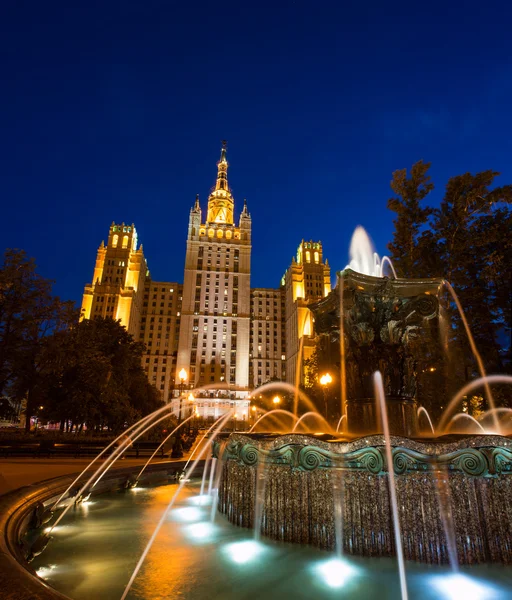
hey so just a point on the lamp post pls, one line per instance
(325, 380)
(177, 452)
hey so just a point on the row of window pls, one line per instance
(115, 241)
(113, 263)
(220, 234)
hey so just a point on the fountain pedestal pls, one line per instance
(326, 493)
(385, 323)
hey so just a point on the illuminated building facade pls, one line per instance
(307, 280)
(268, 339)
(228, 338)
(120, 273)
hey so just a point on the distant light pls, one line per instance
(456, 586)
(326, 379)
(336, 572)
(136, 488)
(244, 552)
(201, 531)
(188, 514)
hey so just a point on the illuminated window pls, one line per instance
(125, 241)
(220, 233)
(202, 232)
(308, 256)
(228, 235)
(316, 257)
(115, 239)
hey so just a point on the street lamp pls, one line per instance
(325, 380)
(177, 452)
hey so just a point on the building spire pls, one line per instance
(222, 169)
(197, 207)
(220, 202)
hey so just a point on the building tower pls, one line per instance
(117, 286)
(215, 320)
(307, 280)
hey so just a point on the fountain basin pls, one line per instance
(18, 578)
(299, 503)
(97, 546)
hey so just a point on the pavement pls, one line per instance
(18, 472)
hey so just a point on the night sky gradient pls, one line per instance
(114, 111)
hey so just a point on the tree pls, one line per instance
(471, 230)
(94, 376)
(28, 314)
(467, 242)
(411, 216)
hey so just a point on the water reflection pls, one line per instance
(95, 550)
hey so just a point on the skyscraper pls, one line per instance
(226, 338)
(215, 320)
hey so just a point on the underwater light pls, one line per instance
(201, 531)
(44, 572)
(201, 500)
(335, 572)
(187, 514)
(456, 586)
(244, 552)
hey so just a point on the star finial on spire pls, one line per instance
(223, 151)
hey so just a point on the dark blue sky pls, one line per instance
(115, 111)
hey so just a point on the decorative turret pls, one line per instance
(220, 202)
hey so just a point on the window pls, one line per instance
(125, 241)
(115, 241)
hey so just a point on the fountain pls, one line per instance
(380, 479)
(385, 325)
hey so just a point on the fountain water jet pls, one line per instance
(171, 503)
(423, 411)
(314, 414)
(469, 387)
(160, 445)
(271, 412)
(212, 474)
(259, 499)
(460, 416)
(363, 258)
(207, 464)
(342, 418)
(381, 399)
(474, 349)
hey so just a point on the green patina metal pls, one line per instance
(473, 462)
